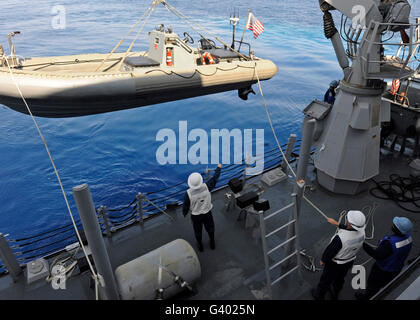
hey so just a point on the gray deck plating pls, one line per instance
(235, 269)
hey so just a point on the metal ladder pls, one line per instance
(267, 252)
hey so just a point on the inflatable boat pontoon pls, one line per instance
(79, 85)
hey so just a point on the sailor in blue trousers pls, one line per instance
(329, 96)
(390, 256)
(198, 200)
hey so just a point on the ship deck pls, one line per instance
(235, 270)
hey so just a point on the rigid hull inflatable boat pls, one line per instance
(78, 85)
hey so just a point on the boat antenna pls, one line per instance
(243, 33)
(234, 20)
(196, 26)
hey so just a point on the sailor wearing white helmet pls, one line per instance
(198, 200)
(339, 256)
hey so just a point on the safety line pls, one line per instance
(150, 11)
(180, 15)
(94, 274)
(270, 121)
(123, 39)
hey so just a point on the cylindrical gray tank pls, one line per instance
(138, 279)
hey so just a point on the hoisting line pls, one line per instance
(270, 121)
(149, 13)
(122, 40)
(96, 276)
(191, 23)
(375, 205)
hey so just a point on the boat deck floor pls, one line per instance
(235, 270)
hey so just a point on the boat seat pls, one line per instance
(222, 53)
(141, 61)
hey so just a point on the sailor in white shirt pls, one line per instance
(198, 200)
(339, 256)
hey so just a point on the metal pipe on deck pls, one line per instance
(9, 259)
(91, 227)
(305, 152)
(289, 150)
(103, 214)
(140, 208)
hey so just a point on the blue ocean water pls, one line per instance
(115, 152)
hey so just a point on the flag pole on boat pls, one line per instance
(243, 33)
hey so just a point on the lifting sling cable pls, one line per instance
(318, 210)
(180, 15)
(151, 9)
(123, 39)
(270, 121)
(96, 277)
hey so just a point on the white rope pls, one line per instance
(150, 11)
(315, 207)
(123, 39)
(191, 23)
(54, 167)
(270, 121)
(371, 213)
(294, 174)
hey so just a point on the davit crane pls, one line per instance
(347, 134)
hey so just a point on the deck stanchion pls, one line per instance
(84, 203)
(140, 208)
(305, 152)
(9, 259)
(297, 240)
(104, 216)
(265, 250)
(289, 150)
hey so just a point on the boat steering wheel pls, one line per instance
(188, 38)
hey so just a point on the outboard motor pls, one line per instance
(244, 92)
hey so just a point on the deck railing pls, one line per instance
(143, 207)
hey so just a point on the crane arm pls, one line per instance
(354, 8)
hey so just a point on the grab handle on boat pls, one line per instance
(12, 47)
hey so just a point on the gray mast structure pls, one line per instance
(347, 135)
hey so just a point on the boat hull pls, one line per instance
(77, 107)
(73, 95)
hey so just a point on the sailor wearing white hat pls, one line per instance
(340, 254)
(198, 200)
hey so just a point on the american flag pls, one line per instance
(395, 86)
(254, 25)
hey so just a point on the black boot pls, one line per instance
(361, 296)
(200, 246)
(316, 295)
(334, 293)
(212, 242)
